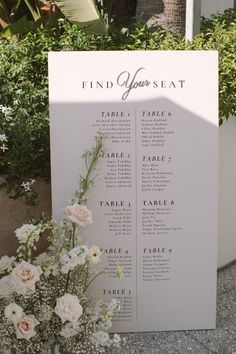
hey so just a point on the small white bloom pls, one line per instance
(79, 214)
(5, 110)
(45, 313)
(100, 338)
(94, 254)
(120, 272)
(27, 230)
(69, 330)
(25, 276)
(6, 263)
(3, 147)
(13, 313)
(3, 138)
(6, 286)
(25, 328)
(68, 308)
(26, 186)
(51, 269)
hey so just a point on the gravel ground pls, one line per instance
(221, 340)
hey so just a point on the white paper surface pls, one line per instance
(155, 203)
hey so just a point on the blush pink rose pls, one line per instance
(79, 214)
(25, 328)
(25, 276)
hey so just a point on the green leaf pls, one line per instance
(84, 13)
(15, 7)
(20, 27)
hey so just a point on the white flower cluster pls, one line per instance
(42, 291)
(5, 110)
(6, 264)
(101, 338)
(28, 184)
(78, 256)
(75, 257)
(28, 233)
(104, 322)
(102, 314)
(41, 259)
(45, 314)
(68, 308)
(6, 287)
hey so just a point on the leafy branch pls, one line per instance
(91, 159)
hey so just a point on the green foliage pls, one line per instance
(24, 84)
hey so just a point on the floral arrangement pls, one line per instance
(44, 301)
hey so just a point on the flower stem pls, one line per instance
(73, 245)
(67, 281)
(90, 282)
(88, 180)
(73, 235)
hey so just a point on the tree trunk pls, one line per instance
(123, 11)
(4, 16)
(169, 14)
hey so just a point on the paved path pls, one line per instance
(222, 340)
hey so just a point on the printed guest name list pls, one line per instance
(155, 201)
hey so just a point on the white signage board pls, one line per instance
(155, 203)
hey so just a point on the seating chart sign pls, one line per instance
(155, 202)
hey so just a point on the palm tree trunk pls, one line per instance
(169, 14)
(4, 15)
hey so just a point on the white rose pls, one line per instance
(13, 313)
(68, 308)
(26, 231)
(6, 286)
(94, 254)
(25, 328)
(6, 263)
(24, 276)
(79, 214)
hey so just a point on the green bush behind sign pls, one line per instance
(24, 85)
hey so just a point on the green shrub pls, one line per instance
(24, 86)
